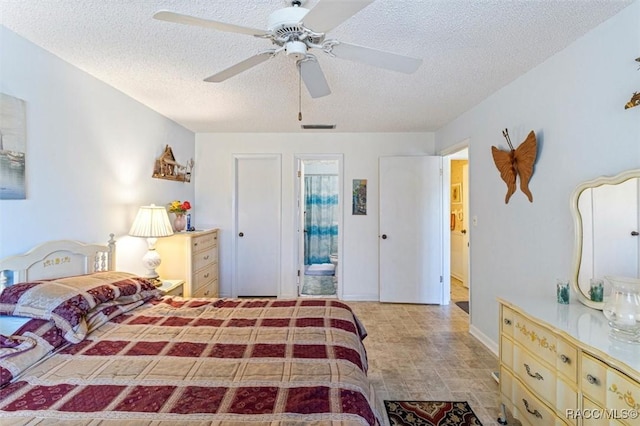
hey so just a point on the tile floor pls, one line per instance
(425, 352)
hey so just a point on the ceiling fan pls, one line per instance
(295, 30)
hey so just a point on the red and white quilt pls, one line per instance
(204, 361)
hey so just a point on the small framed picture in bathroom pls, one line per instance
(359, 197)
(456, 193)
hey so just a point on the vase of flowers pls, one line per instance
(179, 208)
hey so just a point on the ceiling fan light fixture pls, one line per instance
(296, 50)
(318, 126)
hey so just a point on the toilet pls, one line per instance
(333, 258)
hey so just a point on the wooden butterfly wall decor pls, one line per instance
(635, 98)
(515, 163)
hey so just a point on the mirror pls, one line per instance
(606, 218)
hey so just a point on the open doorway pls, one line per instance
(319, 216)
(459, 246)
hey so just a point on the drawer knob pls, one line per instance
(534, 412)
(565, 359)
(591, 379)
(206, 257)
(206, 275)
(507, 321)
(536, 376)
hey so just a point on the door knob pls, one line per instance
(634, 233)
(464, 231)
(384, 236)
(241, 234)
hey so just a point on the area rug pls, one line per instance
(463, 305)
(318, 286)
(430, 413)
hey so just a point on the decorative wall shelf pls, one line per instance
(166, 167)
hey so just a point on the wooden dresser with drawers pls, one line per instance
(192, 257)
(559, 366)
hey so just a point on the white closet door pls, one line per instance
(257, 225)
(410, 229)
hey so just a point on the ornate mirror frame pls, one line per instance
(578, 228)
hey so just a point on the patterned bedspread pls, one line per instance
(204, 361)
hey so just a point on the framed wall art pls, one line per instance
(359, 197)
(13, 145)
(456, 193)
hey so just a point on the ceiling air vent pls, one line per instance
(318, 126)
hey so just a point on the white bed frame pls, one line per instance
(57, 259)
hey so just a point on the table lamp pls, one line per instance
(151, 222)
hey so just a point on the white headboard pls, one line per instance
(57, 259)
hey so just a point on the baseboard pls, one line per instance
(484, 339)
(361, 297)
(351, 297)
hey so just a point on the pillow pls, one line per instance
(17, 353)
(26, 346)
(69, 301)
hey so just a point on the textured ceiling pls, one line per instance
(470, 49)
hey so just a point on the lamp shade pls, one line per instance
(151, 222)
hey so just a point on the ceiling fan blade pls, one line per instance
(313, 77)
(377, 58)
(328, 14)
(165, 15)
(241, 66)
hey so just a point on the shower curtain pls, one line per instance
(321, 220)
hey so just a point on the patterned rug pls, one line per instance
(430, 413)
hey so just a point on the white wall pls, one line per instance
(575, 104)
(214, 191)
(89, 159)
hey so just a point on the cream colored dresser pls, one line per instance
(192, 257)
(558, 366)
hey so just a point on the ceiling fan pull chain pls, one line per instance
(299, 93)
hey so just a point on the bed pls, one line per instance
(84, 344)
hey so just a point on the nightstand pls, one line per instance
(172, 287)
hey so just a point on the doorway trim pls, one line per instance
(298, 225)
(447, 155)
